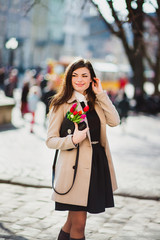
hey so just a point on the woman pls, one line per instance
(95, 179)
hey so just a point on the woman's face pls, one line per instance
(81, 79)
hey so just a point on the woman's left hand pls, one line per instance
(97, 86)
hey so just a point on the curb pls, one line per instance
(140, 197)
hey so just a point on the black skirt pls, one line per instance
(100, 190)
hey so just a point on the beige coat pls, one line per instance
(66, 160)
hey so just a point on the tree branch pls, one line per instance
(147, 57)
(31, 6)
(120, 34)
(109, 26)
(114, 14)
(154, 22)
(34, 3)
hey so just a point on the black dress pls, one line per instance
(100, 191)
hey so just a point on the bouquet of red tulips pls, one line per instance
(77, 116)
(73, 116)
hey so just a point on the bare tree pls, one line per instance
(137, 52)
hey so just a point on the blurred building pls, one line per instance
(85, 32)
(47, 35)
(38, 30)
(13, 24)
(50, 29)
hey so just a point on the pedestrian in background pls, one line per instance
(11, 82)
(95, 179)
(24, 99)
(28, 82)
(48, 92)
(123, 106)
(2, 77)
(33, 98)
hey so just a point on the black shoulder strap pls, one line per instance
(75, 171)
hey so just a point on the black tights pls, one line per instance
(65, 236)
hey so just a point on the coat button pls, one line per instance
(73, 167)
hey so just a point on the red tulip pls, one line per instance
(75, 112)
(71, 109)
(86, 108)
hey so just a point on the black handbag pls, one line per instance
(67, 128)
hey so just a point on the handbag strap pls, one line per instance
(75, 171)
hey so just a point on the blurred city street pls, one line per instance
(38, 40)
(27, 212)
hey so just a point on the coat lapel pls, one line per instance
(103, 124)
(72, 99)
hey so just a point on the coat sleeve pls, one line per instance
(111, 114)
(53, 138)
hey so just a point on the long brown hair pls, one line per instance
(66, 90)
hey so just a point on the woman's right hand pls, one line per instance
(79, 136)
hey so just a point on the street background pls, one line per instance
(27, 211)
(38, 39)
(134, 145)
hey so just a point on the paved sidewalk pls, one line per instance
(135, 148)
(28, 214)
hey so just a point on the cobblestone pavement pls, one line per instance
(135, 148)
(28, 214)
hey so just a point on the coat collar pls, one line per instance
(72, 99)
(77, 97)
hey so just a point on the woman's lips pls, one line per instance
(80, 85)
